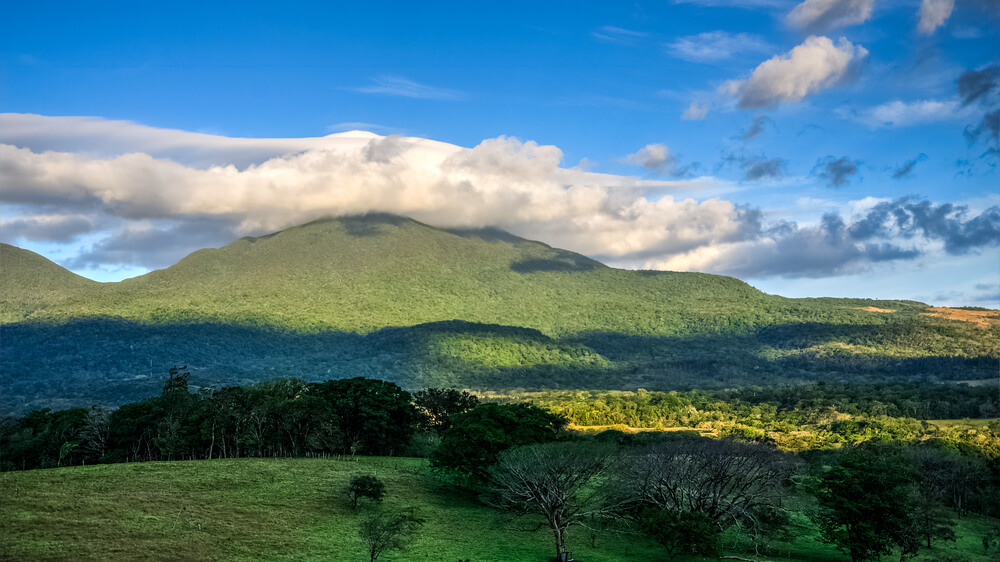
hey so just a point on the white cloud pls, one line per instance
(657, 158)
(695, 112)
(503, 182)
(820, 15)
(815, 65)
(716, 45)
(651, 157)
(933, 14)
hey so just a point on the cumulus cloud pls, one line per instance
(820, 15)
(933, 14)
(907, 168)
(836, 171)
(716, 45)
(657, 158)
(812, 67)
(150, 210)
(695, 112)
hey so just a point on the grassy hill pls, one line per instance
(289, 509)
(391, 298)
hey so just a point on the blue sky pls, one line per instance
(829, 147)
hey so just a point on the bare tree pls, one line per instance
(559, 481)
(96, 429)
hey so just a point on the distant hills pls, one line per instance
(389, 297)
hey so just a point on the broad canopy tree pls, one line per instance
(477, 437)
(561, 481)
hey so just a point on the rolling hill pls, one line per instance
(389, 297)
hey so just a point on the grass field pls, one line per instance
(289, 509)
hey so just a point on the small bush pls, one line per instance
(364, 487)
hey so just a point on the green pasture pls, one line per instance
(290, 509)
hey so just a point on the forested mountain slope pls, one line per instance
(389, 297)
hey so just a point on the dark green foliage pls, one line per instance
(368, 487)
(477, 437)
(376, 417)
(41, 439)
(681, 531)
(383, 532)
(866, 501)
(281, 417)
(435, 406)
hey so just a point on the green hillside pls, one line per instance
(31, 285)
(388, 297)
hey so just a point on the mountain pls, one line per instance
(389, 297)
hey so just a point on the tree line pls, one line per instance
(282, 417)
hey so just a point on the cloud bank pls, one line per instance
(174, 192)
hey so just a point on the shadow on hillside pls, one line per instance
(568, 264)
(361, 226)
(107, 361)
(487, 235)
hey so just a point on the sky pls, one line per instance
(842, 148)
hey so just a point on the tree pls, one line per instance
(95, 431)
(562, 482)
(725, 483)
(436, 406)
(865, 501)
(936, 470)
(382, 532)
(375, 417)
(477, 437)
(680, 531)
(364, 487)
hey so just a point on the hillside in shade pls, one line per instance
(389, 297)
